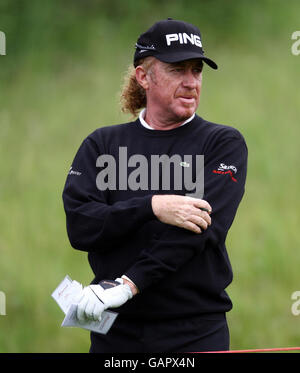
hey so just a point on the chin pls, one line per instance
(185, 113)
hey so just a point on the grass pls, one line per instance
(44, 116)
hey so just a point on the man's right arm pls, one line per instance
(93, 223)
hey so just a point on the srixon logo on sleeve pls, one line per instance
(184, 38)
(223, 169)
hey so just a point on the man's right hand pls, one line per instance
(182, 211)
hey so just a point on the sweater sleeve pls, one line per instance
(223, 189)
(92, 222)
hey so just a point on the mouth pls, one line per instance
(188, 100)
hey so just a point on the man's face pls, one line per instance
(174, 89)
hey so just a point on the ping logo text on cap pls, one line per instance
(184, 38)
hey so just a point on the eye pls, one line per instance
(177, 69)
(198, 70)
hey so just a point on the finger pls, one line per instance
(206, 209)
(201, 214)
(206, 217)
(201, 203)
(97, 313)
(89, 309)
(199, 221)
(203, 209)
(192, 227)
(81, 309)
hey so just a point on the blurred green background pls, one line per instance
(60, 79)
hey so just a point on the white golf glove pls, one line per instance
(97, 298)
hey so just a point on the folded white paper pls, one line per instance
(67, 295)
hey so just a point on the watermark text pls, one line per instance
(2, 303)
(2, 44)
(295, 49)
(157, 172)
(295, 309)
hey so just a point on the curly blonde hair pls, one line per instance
(133, 96)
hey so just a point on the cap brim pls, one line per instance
(178, 57)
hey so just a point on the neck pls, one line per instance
(162, 123)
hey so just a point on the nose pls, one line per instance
(190, 80)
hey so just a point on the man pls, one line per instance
(151, 201)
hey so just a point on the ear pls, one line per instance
(142, 77)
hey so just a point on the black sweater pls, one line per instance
(179, 273)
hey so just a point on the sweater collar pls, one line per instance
(146, 125)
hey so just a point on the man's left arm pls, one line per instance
(224, 185)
